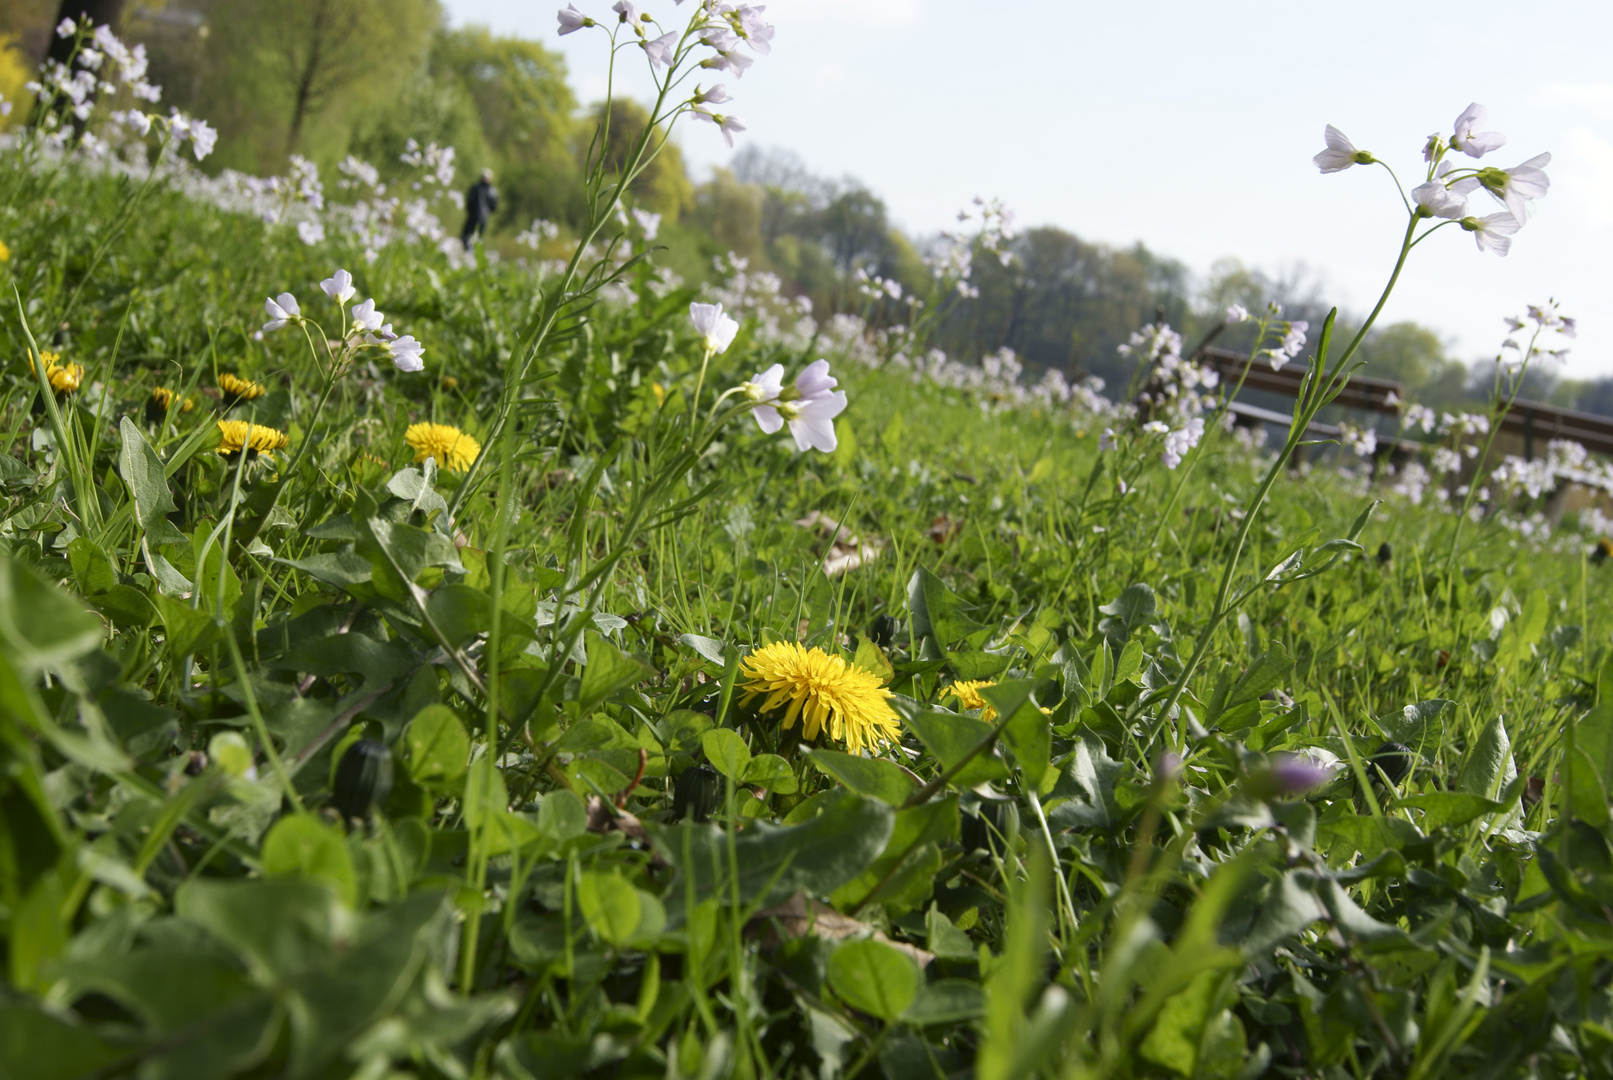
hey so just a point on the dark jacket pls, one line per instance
(480, 202)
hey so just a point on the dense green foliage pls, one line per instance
(572, 845)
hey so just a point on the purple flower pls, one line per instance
(1295, 774)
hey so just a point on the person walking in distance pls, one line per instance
(481, 199)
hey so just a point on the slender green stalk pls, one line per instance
(1324, 384)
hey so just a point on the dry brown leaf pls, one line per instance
(847, 551)
(944, 528)
(800, 917)
(604, 818)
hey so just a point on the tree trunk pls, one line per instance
(98, 12)
(109, 12)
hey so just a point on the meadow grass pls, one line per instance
(339, 763)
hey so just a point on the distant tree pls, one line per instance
(282, 76)
(1065, 303)
(1409, 353)
(855, 230)
(517, 93)
(318, 48)
(664, 187)
(1592, 396)
(731, 212)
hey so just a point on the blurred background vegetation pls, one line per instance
(328, 78)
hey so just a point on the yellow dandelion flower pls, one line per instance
(452, 448)
(237, 435)
(5, 252)
(63, 378)
(237, 389)
(448, 382)
(967, 694)
(825, 692)
(163, 401)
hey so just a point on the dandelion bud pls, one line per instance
(698, 793)
(1393, 760)
(363, 779)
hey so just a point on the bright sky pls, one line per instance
(1191, 126)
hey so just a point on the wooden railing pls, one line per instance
(1535, 422)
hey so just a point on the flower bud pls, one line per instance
(1393, 760)
(698, 793)
(363, 779)
(989, 820)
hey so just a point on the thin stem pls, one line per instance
(1304, 412)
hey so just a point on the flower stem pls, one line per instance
(1323, 386)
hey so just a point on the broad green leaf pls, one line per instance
(1133, 608)
(284, 923)
(951, 737)
(1029, 731)
(415, 487)
(871, 657)
(1446, 808)
(561, 816)
(41, 627)
(461, 612)
(1589, 770)
(340, 568)
(944, 939)
(486, 798)
(37, 934)
(1174, 1041)
(439, 748)
(1130, 660)
(187, 629)
(710, 648)
(339, 654)
(938, 612)
(611, 905)
(1087, 787)
(874, 978)
(873, 777)
(142, 471)
(608, 671)
(126, 606)
(727, 752)
(817, 856)
(414, 550)
(1420, 727)
(946, 1001)
(37, 1045)
(1489, 767)
(302, 844)
(1101, 674)
(1267, 673)
(173, 987)
(903, 877)
(771, 772)
(170, 582)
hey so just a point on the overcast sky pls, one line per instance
(1190, 127)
